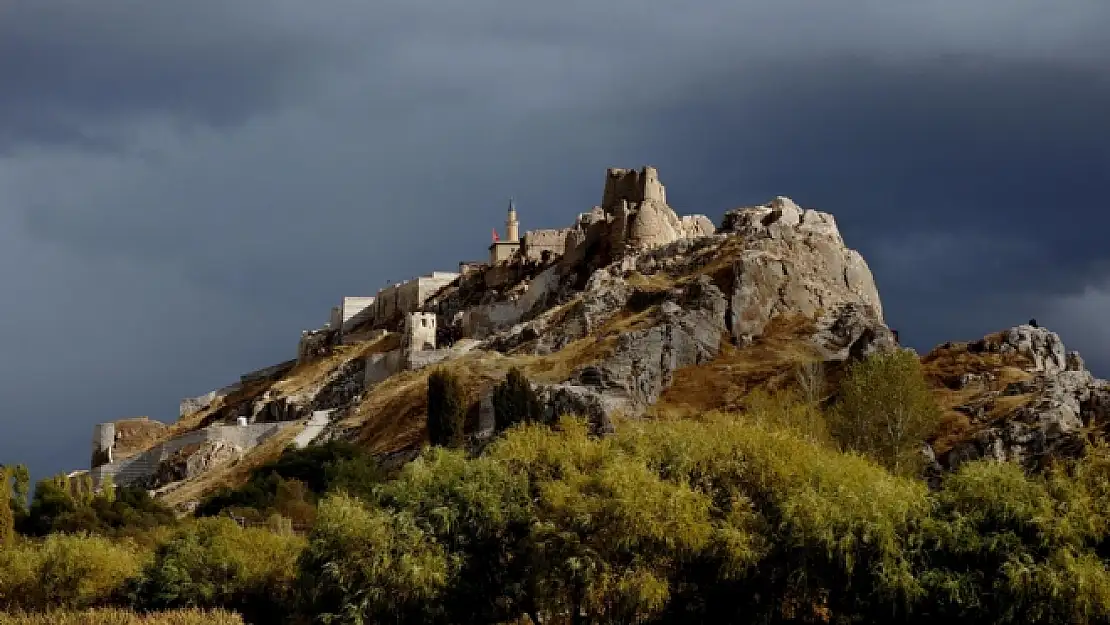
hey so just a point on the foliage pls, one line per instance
(446, 409)
(514, 401)
(7, 516)
(67, 572)
(886, 410)
(13, 500)
(123, 617)
(63, 505)
(755, 517)
(292, 484)
(363, 565)
(787, 409)
(216, 563)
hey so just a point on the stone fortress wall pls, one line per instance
(633, 215)
(136, 468)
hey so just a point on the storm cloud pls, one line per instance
(185, 186)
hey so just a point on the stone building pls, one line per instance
(420, 332)
(541, 245)
(503, 250)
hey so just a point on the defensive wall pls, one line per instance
(130, 470)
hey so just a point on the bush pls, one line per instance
(446, 410)
(214, 563)
(514, 401)
(291, 484)
(61, 505)
(7, 516)
(886, 410)
(67, 572)
(364, 565)
(123, 617)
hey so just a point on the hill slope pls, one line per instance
(643, 312)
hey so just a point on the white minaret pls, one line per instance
(512, 226)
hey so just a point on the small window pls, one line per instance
(424, 322)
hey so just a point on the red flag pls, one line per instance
(495, 237)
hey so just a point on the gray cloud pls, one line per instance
(187, 185)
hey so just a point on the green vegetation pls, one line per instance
(291, 485)
(514, 401)
(215, 563)
(886, 410)
(446, 410)
(62, 505)
(67, 572)
(123, 617)
(769, 516)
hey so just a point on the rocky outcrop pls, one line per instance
(688, 331)
(1063, 399)
(193, 460)
(792, 261)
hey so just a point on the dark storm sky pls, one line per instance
(184, 186)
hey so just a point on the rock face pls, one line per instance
(688, 331)
(193, 460)
(767, 261)
(1063, 399)
(793, 261)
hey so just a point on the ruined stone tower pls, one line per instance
(104, 439)
(633, 216)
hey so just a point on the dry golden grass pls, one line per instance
(313, 372)
(660, 281)
(136, 435)
(724, 383)
(235, 473)
(124, 617)
(943, 367)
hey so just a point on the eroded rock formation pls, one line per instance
(1054, 403)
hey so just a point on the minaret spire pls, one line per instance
(512, 226)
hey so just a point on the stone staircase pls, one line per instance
(315, 426)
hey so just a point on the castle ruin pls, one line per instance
(633, 216)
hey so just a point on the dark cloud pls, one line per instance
(187, 185)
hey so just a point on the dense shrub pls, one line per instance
(60, 505)
(215, 563)
(514, 401)
(749, 518)
(365, 565)
(7, 515)
(886, 410)
(446, 409)
(67, 572)
(292, 484)
(123, 617)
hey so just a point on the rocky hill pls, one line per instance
(630, 312)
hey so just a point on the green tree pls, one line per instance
(7, 517)
(514, 401)
(886, 410)
(216, 563)
(446, 409)
(366, 565)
